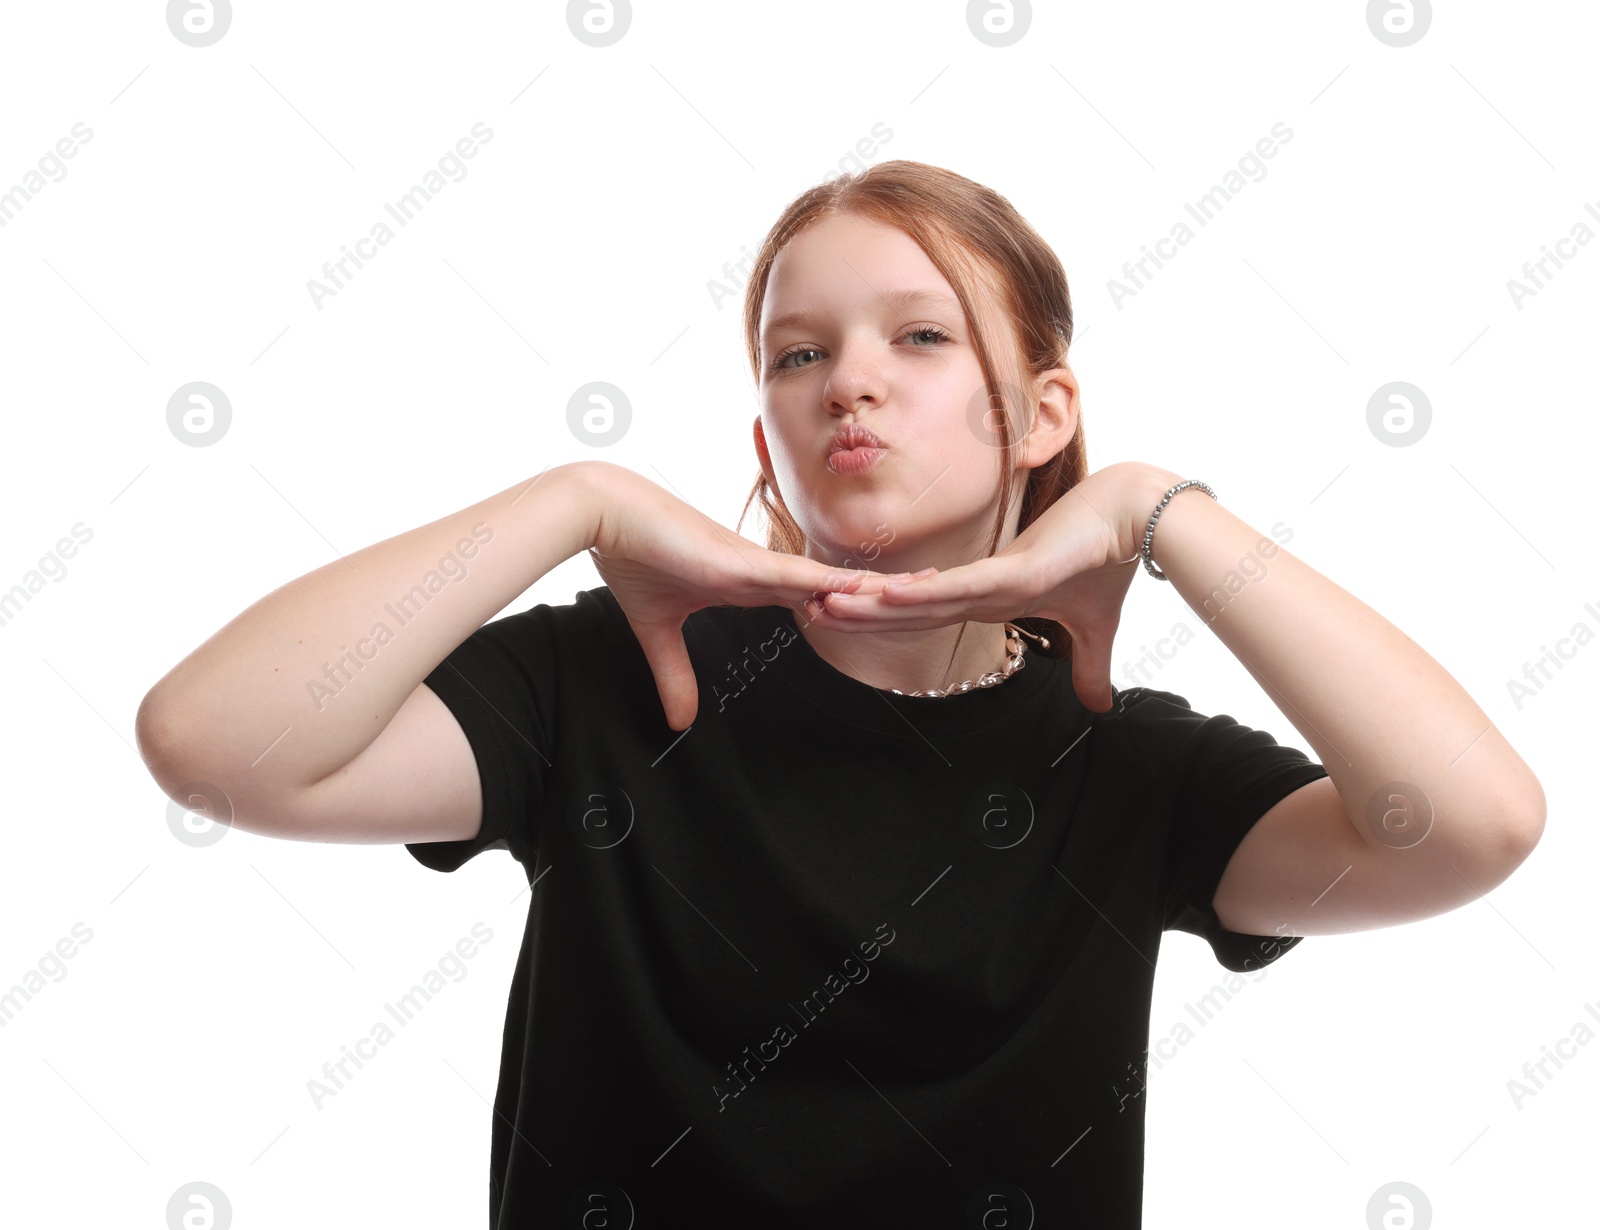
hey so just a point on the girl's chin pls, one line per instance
(874, 547)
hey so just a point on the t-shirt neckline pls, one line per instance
(846, 698)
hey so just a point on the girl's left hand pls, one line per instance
(1073, 565)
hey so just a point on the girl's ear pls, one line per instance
(1055, 416)
(764, 456)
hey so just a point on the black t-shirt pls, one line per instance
(834, 957)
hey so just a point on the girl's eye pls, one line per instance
(782, 359)
(931, 331)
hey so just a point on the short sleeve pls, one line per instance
(1219, 777)
(501, 686)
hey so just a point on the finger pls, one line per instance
(797, 578)
(852, 613)
(668, 656)
(873, 582)
(985, 589)
(878, 606)
(841, 580)
(1091, 672)
(914, 591)
(981, 578)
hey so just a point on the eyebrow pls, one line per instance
(897, 299)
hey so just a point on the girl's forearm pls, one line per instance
(302, 681)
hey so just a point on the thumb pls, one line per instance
(668, 656)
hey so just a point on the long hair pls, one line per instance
(974, 237)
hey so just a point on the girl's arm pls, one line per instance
(1426, 806)
(307, 711)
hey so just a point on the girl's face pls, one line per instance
(859, 327)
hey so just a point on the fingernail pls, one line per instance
(926, 572)
(899, 576)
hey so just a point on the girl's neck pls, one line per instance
(909, 661)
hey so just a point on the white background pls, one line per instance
(579, 247)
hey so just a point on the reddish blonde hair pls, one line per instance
(974, 237)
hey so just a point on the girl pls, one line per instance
(848, 887)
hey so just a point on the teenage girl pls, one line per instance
(850, 864)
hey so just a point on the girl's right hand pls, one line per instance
(664, 559)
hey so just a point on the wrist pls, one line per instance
(1142, 489)
(583, 485)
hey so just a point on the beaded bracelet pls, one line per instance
(1150, 530)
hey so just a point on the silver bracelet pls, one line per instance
(1150, 530)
